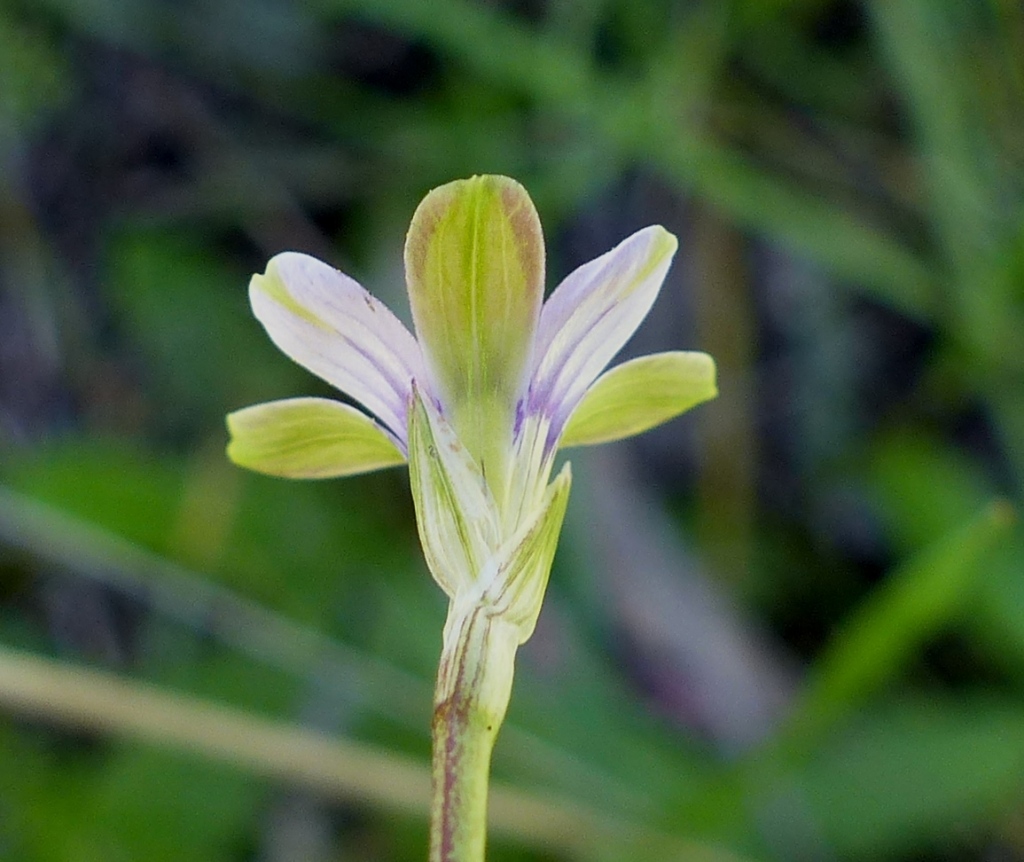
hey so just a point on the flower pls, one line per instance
(494, 383)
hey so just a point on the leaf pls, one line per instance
(918, 599)
(913, 774)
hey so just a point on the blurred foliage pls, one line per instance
(788, 627)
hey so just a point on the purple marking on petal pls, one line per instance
(520, 414)
(551, 441)
(568, 376)
(588, 319)
(562, 376)
(330, 325)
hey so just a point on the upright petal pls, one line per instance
(474, 263)
(640, 394)
(309, 438)
(591, 315)
(328, 324)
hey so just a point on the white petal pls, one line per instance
(591, 315)
(328, 324)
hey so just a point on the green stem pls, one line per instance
(474, 683)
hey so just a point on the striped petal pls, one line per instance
(591, 315)
(327, 323)
(640, 394)
(309, 438)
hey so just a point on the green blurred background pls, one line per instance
(789, 626)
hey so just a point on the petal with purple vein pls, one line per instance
(330, 325)
(591, 315)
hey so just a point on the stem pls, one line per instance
(474, 683)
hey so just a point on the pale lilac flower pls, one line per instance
(478, 403)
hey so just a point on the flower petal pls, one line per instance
(328, 324)
(639, 394)
(474, 263)
(309, 438)
(591, 315)
(455, 513)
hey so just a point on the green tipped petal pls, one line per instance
(309, 438)
(593, 313)
(474, 262)
(640, 394)
(331, 326)
(455, 513)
